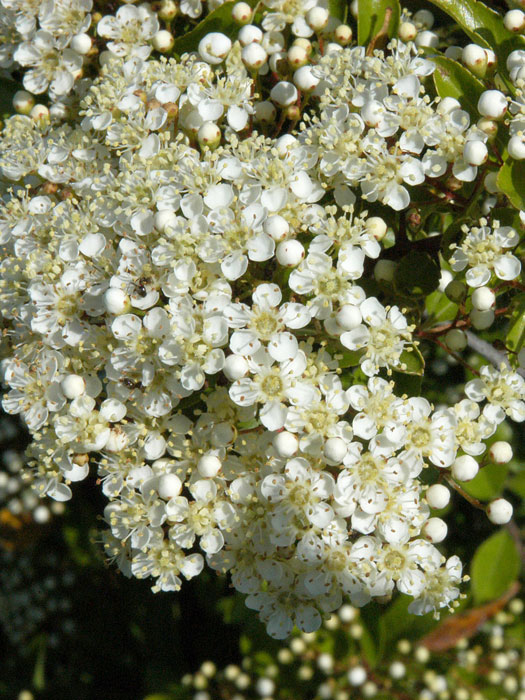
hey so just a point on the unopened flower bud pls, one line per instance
(242, 13)
(483, 298)
(265, 112)
(516, 147)
(482, 319)
(169, 486)
(305, 79)
(214, 47)
(438, 496)
(377, 227)
(356, 676)
(335, 450)
(475, 58)
(297, 56)
(488, 126)
(514, 21)
(384, 270)
(289, 253)
(168, 10)
(286, 444)
(163, 41)
(73, 385)
(253, 56)
(116, 301)
(277, 227)
(235, 367)
(448, 105)
(284, 93)
(249, 34)
(407, 31)
(427, 39)
(397, 670)
(293, 113)
(475, 152)
(464, 468)
(23, 102)
(317, 18)
(209, 135)
(349, 316)
(435, 530)
(456, 291)
(456, 340)
(425, 18)
(209, 466)
(500, 452)
(492, 104)
(343, 34)
(499, 511)
(39, 113)
(454, 52)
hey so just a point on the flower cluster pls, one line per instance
(191, 315)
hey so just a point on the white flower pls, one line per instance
(503, 389)
(130, 30)
(50, 67)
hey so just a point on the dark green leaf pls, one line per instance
(337, 9)
(494, 567)
(7, 91)
(517, 484)
(511, 181)
(439, 308)
(371, 17)
(488, 483)
(416, 275)
(409, 384)
(453, 80)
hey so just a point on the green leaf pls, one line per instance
(517, 484)
(511, 181)
(371, 17)
(516, 333)
(397, 622)
(349, 358)
(439, 308)
(370, 617)
(337, 9)
(416, 275)
(488, 483)
(409, 384)
(413, 361)
(483, 25)
(453, 80)
(494, 567)
(220, 20)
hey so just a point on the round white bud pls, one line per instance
(515, 59)
(499, 511)
(475, 152)
(377, 227)
(438, 496)
(482, 319)
(317, 18)
(284, 93)
(384, 270)
(456, 340)
(265, 112)
(397, 670)
(214, 47)
(169, 486)
(250, 33)
(242, 13)
(41, 515)
(81, 44)
(514, 21)
(427, 39)
(209, 135)
(516, 147)
(325, 662)
(487, 126)
(235, 367)
(163, 41)
(356, 676)
(116, 301)
(335, 450)
(500, 452)
(39, 113)
(305, 80)
(253, 56)
(475, 58)
(286, 444)
(425, 18)
(168, 10)
(277, 227)
(447, 105)
(264, 687)
(23, 102)
(73, 385)
(304, 43)
(349, 316)
(407, 31)
(209, 466)
(289, 253)
(435, 530)
(332, 47)
(483, 298)
(492, 104)
(354, 8)
(491, 182)
(464, 468)
(343, 34)
(297, 56)
(492, 59)
(165, 219)
(117, 440)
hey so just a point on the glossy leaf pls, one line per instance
(454, 80)
(495, 567)
(511, 181)
(439, 308)
(413, 361)
(516, 333)
(371, 17)
(488, 482)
